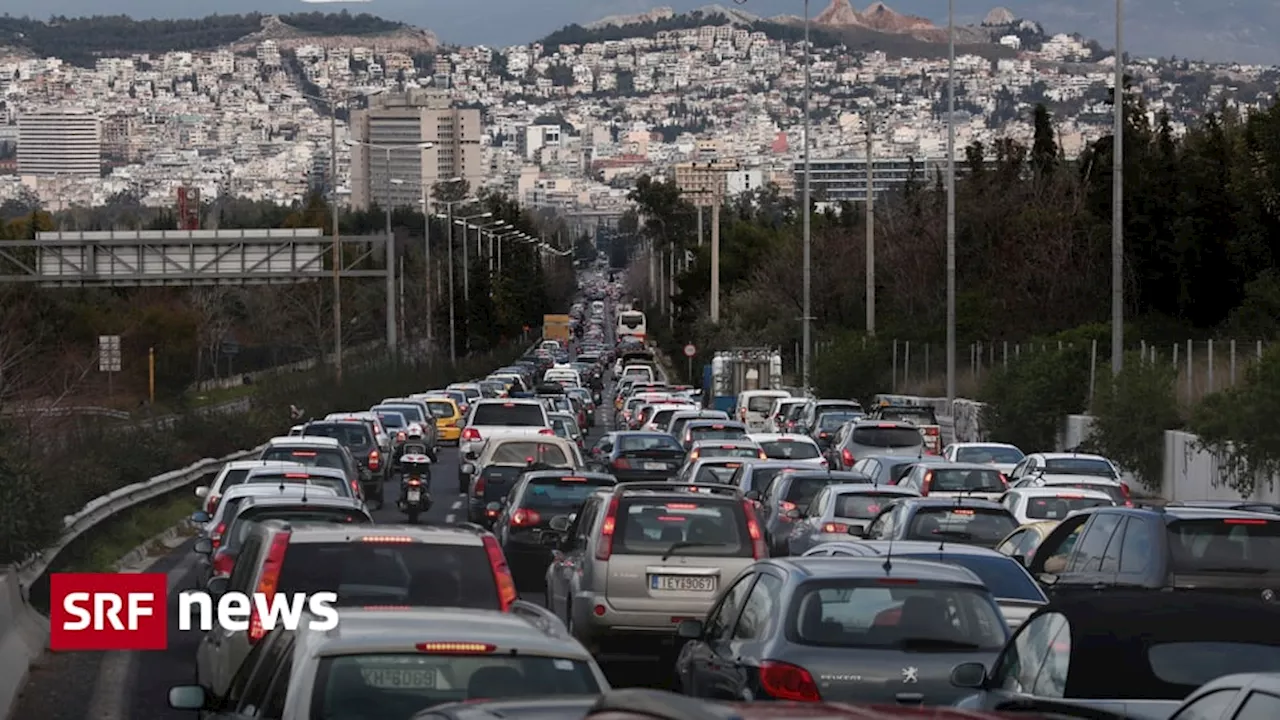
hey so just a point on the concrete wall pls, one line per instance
(23, 636)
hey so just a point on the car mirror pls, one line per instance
(793, 514)
(468, 469)
(561, 523)
(199, 517)
(858, 530)
(689, 629)
(203, 545)
(1047, 579)
(188, 697)
(217, 586)
(202, 491)
(972, 675)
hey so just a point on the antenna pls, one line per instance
(888, 558)
(304, 492)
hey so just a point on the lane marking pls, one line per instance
(456, 504)
(450, 518)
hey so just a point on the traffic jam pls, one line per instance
(513, 546)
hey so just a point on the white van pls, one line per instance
(755, 406)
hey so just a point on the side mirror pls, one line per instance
(753, 495)
(218, 586)
(468, 469)
(1047, 579)
(858, 530)
(689, 629)
(199, 517)
(202, 491)
(203, 545)
(561, 523)
(970, 675)
(188, 697)
(793, 514)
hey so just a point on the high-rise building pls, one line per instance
(400, 122)
(59, 142)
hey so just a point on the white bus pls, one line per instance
(631, 323)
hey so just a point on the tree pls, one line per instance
(1044, 148)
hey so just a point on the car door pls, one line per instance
(568, 564)
(1033, 663)
(739, 659)
(213, 666)
(1096, 560)
(696, 666)
(265, 694)
(1054, 552)
(1141, 564)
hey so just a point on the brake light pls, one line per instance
(223, 564)
(886, 425)
(215, 537)
(835, 528)
(400, 437)
(479, 489)
(784, 681)
(1004, 480)
(847, 457)
(414, 482)
(928, 481)
(355, 488)
(546, 431)
(932, 431)
(302, 453)
(758, 549)
(962, 511)
(455, 648)
(271, 567)
(1244, 521)
(681, 506)
(501, 573)
(375, 460)
(1128, 499)
(823, 435)
(211, 504)
(621, 464)
(525, 518)
(605, 549)
(387, 539)
(296, 476)
(471, 434)
(763, 455)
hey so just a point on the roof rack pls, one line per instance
(664, 486)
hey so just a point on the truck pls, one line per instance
(556, 327)
(732, 371)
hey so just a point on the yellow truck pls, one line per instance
(556, 327)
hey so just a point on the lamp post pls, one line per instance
(807, 330)
(466, 255)
(1117, 203)
(951, 202)
(453, 315)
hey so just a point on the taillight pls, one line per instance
(269, 580)
(758, 549)
(928, 481)
(525, 518)
(355, 488)
(471, 435)
(501, 573)
(546, 431)
(605, 548)
(223, 564)
(479, 491)
(375, 459)
(847, 457)
(215, 537)
(1128, 499)
(400, 437)
(622, 464)
(835, 528)
(784, 681)
(1004, 480)
(211, 504)
(823, 435)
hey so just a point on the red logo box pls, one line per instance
(108, 611)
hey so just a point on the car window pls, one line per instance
(1093, 546)
(715, 432)
(523, 453)
(790, 450)
(1193, 664)
(1026, 656)
(1056, 507)
(1057, 561)
(886, 437)
(651, 527)
(718, 625)
(802, 490)
(513, 414)
(1003, 576)
(761, 403)
(987, 454)
(714, 473)
(351, 435)
(1212, 707)
(853, 613)
(942, 479)
(762, 477)
(1233, 542)
(331, 458)
(647, 442)
(981, 525)
(1259, 706)
(411, 413)
(758, 613)
(391, 573)
(1079, 466)
(440, 409)
(560, 493)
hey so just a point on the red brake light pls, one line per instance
(847, 457)
(621, 464)
(928, 481)
(605, 549)
(455, 648)
(387, 539)
(414, 481)
(573, 479)
(297, 476)
(931, 431)
(375, 460)
(823, 435)
(223, 564)
(835, 528)
(784, 681)
(215, 537)
(1244, 521)
(758, 549)
(962, 511)
(525, 518)
(886, 425)
(211, 504)
(400, 436)
(302, 453)
(471, 434)
(785, 506)
(1004, 480)
(1070, 497)
(546, 431)
(479, 491)
(501, 573)
(682, 506)
(271, 567)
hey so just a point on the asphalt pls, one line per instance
(124, 685)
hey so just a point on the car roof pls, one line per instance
(1058, 491)
(812, 472)
(923, 547)
(304, 441)
(725, 442)
(535, 474)
(870, 568)
(270, 489)
(1069, 456)
(250, 464)
(660, 705)
(1050, 478)
(459, 534)
(984, 444)
(871, 422)
(716, 421)
(859, 488)
(506, 401)
(322, 500)
(309, 470)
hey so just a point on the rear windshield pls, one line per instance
(716, 432)
(392, 573)
(1056, 508)
(984, 526)
(1003, 576)
(804, 489)
(440, 409)
(922, 415)
(469, 391)
(337, 485)
(988, 454)
(631, 320)
(411, 413)
(523, 453)
(860, 506)
(1080, 466)
(1250, 545)
(833, 420)
(349, 434)
(716, 473)
(295, 513)
(790, 450)
(313, 458)
(392, 420)
(761, 477)
(399, 686)
(651, 527)
(560, 493)
(923, 617)
(959, 480)
(886, 437)
(514, 414)
(648, 442)
(762, 403)
(236, 477)
(1193, 664)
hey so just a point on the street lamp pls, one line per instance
(951, 202)
(466, 255)
(1117, 203)
(453, 337)
(392, 344)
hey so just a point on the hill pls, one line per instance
(81, 41)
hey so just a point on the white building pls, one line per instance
(59, 142)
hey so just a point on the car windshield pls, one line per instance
(652, 527)
(716, 432)
(860, 506)
(411, 413)
(398, 686)
(338, 485)
(915, 617)
(380, 573)
(803, 489)
(981, 526)
(943, 479)
(762, 403)
(524, 414)
(351, 435)
(833, 420)
(890, 436)
(738, 451)
(1003, 576)
(647, 442)
(790, 450)
(1059, 506)
(561, 493)
(440, 409)
(392, 420)
(1231, 544)
(716, 472)
(330, 458)
(989, 454)
(523, 453)
(1080, 466)
(290, 513)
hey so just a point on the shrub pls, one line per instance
(853, 366)
(1238, 425)
(1131, 413)
(1026, 401)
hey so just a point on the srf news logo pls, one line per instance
(109, 611)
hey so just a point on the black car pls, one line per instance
(787, 499)
(536, 499)
(358, 439)
(635, 455)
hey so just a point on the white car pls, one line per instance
(799, 449)
(232, 474)
(1002, 456)
(1065, 463)
(1116, 490)
(1030, 505)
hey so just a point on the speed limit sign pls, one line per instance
(690, 350)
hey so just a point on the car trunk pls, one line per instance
(498, 480)
(666, 460)
(889, 676)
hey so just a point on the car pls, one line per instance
(710, 470)
(214, 525)
(951, 479)
(788, 498)
(888, 469)
(1113, 488)
(1247, 696)
(315, 452)
(448, 414)
(638, 554)
(502, 462)
(859, 438)
(566, 426)
(491, 419)
(331, 478)
(841, 629)
(791, 448)
(232, 474)
(696, 430)
(358, 438)
(631, 455)
(754, 407)
(680, 418)
(708, 449)
(1065, 463)
(394, 662)
(1002, 456)
(1029, 505)
(958, 520)
(1021, 544)
(840, 511)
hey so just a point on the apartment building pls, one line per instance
(387, 164)
(704, 181)
(845, 179)
(59, 142)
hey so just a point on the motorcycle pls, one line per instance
(415, 485)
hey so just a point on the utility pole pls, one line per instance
(951, 202)
(1117, 203)
(806, 322)
(392, 343)
(715, 251)
(871, 237)
(337, 241)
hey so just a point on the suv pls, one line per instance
(359, 440)
(874, 437)
(368, 565)
(1227, 552)
(640, 554)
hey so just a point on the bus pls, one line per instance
(631, 323)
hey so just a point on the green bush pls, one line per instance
(1238, 425)
(1026, 401)
(1131, 413)
(853, 366)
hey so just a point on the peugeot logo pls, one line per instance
(910, 675)
(1268, 595)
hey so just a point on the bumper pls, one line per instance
(445, 433)
(613, 624)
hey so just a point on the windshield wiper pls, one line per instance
(933, 643)
(685, 544)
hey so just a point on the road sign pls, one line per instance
(109, 355)
(690, 350)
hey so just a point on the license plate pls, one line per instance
(682, 583)
(413, 496)
(400, 679)
(655, 466)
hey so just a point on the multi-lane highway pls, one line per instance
(122, 685)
